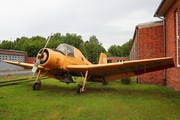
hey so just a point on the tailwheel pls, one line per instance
(36, 85)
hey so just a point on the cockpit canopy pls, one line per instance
(66, 49)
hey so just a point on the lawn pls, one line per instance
(113, 101)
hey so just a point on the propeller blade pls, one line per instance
(37, 63)
(46, 43)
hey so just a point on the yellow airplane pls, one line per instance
(66, 61)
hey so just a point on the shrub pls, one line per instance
(126, 81)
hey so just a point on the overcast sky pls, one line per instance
(111, 21)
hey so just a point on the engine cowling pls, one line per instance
(50, 58)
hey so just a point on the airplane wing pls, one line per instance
(114, 71)
(21, 64)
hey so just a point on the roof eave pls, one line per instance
(163, 7)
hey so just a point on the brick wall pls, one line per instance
(173, 74)
(30, 60)
(148, 42)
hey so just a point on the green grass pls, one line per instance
(114, 101)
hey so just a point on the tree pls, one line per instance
(91, 51)
(83, 49)
(126, 48)
(21, 43)
(93, 48)
(35, 43)
(6, 44)
(30, 45)
(94, 40)
(55, 40)
(120, 51)
(73, 39)
(115, 50)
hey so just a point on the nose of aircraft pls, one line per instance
(43, 56)
(50, 58)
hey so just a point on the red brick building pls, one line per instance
(160, 39)
(117, 59)
(13, 55)
(169, 11)
(148, 43)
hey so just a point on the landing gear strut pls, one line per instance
(37, 84)
(81, 85)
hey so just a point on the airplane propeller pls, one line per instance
(39, 56)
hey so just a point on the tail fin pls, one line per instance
(103, 58)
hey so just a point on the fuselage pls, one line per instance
(55, 60)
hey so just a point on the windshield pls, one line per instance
(66, 49)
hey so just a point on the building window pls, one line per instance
(120, 60)
(109, 61)
(177, 40)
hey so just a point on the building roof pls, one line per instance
(163, 7)
(117, 57)
(149, 24)
(14, 52)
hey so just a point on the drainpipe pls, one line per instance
(164, 39)
(136, 49)
(137, 43)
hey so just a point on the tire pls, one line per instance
(36, 86)
(79, 89)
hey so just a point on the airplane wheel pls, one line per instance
(36, 86)
(79, 89)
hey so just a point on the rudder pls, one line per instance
(103, 58)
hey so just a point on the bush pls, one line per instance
(126, 81)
